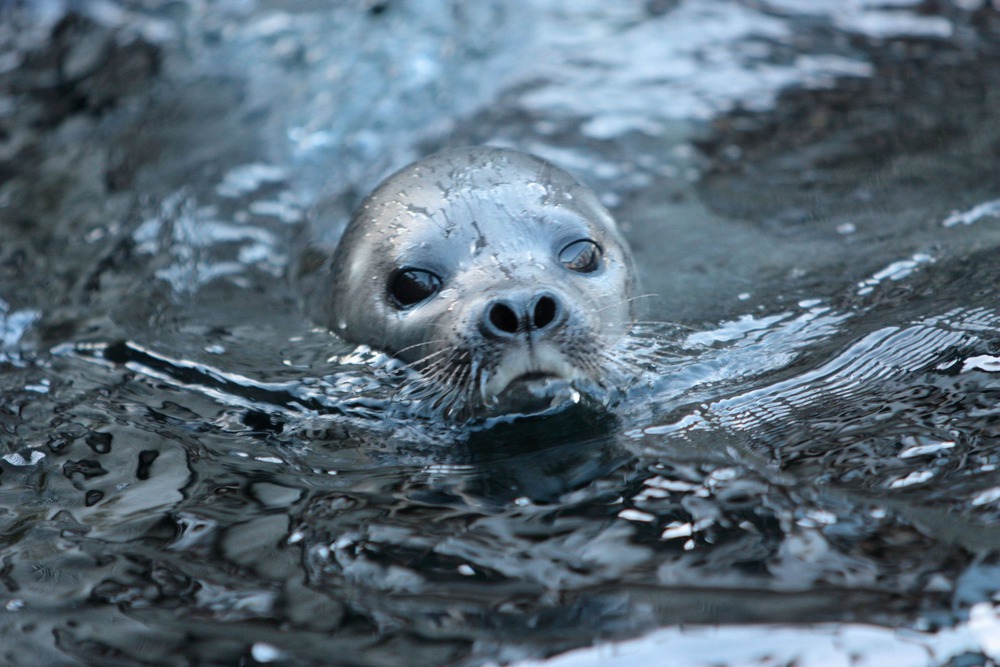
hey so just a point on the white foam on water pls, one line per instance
(774, 645)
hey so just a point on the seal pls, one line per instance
(493, 273)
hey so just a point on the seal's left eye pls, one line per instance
(408, 287)
(583, 256)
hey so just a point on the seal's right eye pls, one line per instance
(408, 287)
(583, 256)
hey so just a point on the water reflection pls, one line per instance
(542, 459)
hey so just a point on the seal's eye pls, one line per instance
(583, 256)
(408, 287)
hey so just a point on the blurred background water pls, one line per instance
(193, 473)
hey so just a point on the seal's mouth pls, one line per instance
(529, 380)
(535, 391)
(520, 373)
(533, 376)
(533, 383)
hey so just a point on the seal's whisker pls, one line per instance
(450, 400)
(665, 323)
(484, 379)
(474, 379)
(435, 341)
(449, 378)
(622, 364)
(434, 370)
(621, 302)
(432, 359)
(461, 387)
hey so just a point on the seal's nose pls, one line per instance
(529, 313)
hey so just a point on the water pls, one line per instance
(192, 473)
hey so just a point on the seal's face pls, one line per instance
(492, 272)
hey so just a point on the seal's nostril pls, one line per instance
(521, 314)
(544, 313)
(503, 318)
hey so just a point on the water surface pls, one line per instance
(193, 473)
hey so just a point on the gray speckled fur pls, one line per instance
(491, 223)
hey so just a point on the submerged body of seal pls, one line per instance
(496, 275)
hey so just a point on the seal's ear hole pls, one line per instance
(408, 287)
(583, 256)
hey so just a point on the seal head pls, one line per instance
(496, 275)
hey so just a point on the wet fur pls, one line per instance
(476, 215)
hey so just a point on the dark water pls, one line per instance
(806, 470)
